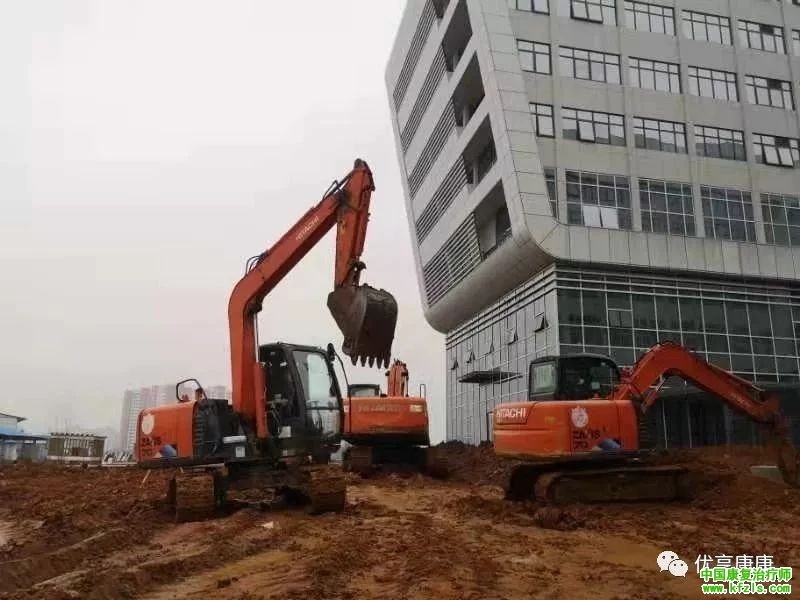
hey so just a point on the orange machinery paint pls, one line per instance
(559, 428)
(171, 425)
(402, 416)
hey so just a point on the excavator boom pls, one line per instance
(397, 379)
(365, 315)
(668, 359)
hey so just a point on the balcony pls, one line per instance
(468, 94)
(492, 221)
(457, 36)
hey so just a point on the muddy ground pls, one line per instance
(104, 533)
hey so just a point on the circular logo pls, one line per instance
(580, 418)
(148, 423)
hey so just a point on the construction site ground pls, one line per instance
(105, 533)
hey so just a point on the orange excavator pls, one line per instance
(287, 411)
(579, 437)
(390, 428)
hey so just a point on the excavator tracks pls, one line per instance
(193, 496)
(325, 488)
(436, 463)
(593, 484)
(359, 460)
(365, 460)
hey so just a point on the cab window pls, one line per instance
(543, 378)
(365, 391)
(318, 384)
(587, 377)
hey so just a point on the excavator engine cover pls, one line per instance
(367, 318)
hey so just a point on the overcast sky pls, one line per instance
(147, 148)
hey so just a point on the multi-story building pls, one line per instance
(219, 392)
(134, 401)
(600, 175)
(131, 407)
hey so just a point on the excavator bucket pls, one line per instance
(367, 318)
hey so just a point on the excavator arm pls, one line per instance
(397, 380)
(668, 359)
(366, 316)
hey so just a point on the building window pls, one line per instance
(796, 42)
(754, 337)
(776, 151)
(665, 136)
(585, 64)
(655, 75)
(728, 214)
(543, 115)
(552, 190)
(534, 57)
(650, 17)
(481, 166)
(537, 6)
(597, 11)
(667, 207)
(760, 36)
(707, 28)
(769, 92)
(598, 200)
(715, 142)
(710, 83)
(781, 219)
(592, 126)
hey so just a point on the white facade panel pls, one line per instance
(671, 134)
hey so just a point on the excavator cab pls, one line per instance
(304, 402)
(364, 390)
(572, 377)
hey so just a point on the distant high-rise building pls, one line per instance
(219, 392)
(134, 401)
(131, 407)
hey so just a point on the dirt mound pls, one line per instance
(720, 477)
(476, 464)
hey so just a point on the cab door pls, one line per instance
(320, 397)
(285, 415)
